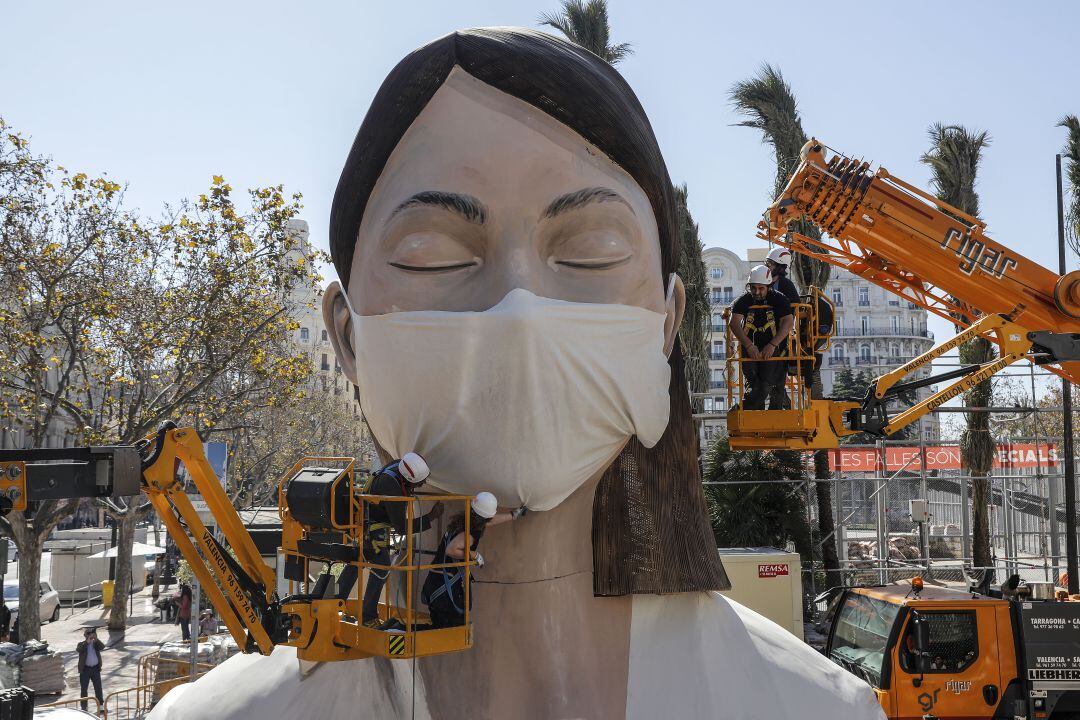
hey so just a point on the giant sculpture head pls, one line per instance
(504, 233)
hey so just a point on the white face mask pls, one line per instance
(527, 400)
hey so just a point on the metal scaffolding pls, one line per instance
(877, 541)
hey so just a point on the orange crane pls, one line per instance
(323, 508)
(931, 254)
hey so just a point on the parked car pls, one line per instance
(48, 602)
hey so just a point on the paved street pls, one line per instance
(120, 661)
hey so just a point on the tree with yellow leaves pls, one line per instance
(111, 324)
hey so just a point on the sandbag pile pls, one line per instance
(31, 664)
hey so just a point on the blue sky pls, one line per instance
(163, 96)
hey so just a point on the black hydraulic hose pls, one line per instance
(159, 443)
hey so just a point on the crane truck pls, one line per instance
(928, 652)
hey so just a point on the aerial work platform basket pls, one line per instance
(806, 421)
(324, 627)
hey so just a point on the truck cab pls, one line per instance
(969, 667)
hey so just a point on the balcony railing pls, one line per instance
(716, 384)
(717, 328)
(834, 360)
(880, 331)
(866, 360)
(717, 356)
(864, 303)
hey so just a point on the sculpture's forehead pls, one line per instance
(481, 140)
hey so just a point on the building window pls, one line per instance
(912, 326)
(717, 322)
(894, 350)
(895, 325)
(717, 378)
(325, 362)
(895, 302)
(324, 336)
(717, 297)
(305, 334)
(864, 296)
(716, 273)
(718, 350)
(729, 295)
(864, 354)
(865, 320)
(838, 297)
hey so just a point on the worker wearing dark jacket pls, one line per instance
(778, 262)
(444, 588)
(90, 665)
(398, 479)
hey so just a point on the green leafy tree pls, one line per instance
(769, 105)
(1072, 173)
(769, 510)
(954, 157)
(585, 22)
(695, 329)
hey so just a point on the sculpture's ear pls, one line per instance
(675, 305)
(338, 321)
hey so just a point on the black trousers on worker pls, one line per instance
(766, 380)
(87, 676)
(376, 580)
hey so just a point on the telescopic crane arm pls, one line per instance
(324, 515)
(896, 236)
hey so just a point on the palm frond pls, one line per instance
(1071, 151)
(769, 105)
(585, 23)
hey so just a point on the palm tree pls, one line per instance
(695, 328)
(768, 507)
(954, 156)
(585, 22)
(769, 105)
(1072, 172)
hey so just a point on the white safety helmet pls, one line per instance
(760, 275)
(485, 505)
(780, 256)
(414, 468)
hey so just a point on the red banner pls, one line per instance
(938, 457)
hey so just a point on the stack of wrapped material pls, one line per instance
(11, 655)
(42, 669)
(31, 664)
(174, 660)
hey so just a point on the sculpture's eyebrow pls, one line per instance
(466, 206)
(578, 198)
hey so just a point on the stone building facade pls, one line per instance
(875, 331)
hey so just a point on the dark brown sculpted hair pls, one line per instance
(650, 528)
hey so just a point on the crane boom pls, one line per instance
(924, 250)
(912, 244)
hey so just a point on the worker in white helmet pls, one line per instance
(779, 261)
(761, 320)
(400, 478)
(444, 588)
